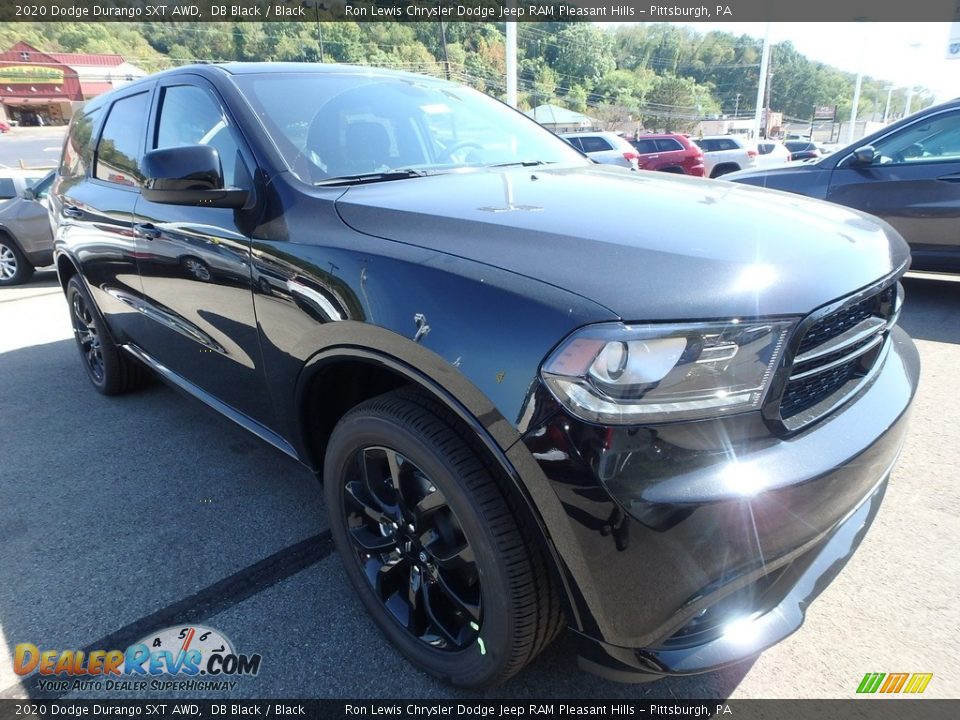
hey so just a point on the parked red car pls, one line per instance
(669, 152)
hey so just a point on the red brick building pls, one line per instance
(45, 87)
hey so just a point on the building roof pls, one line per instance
(16, 54)
(556, 115)
(96, 60)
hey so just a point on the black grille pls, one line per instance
(835, 360)
(803, 394)
(842, 320)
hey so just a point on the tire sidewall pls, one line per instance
(467, 667)
(23, 267)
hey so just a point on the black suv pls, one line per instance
(526, 414)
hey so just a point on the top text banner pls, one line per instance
(478, 11)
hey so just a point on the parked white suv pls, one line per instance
(724, 154)
(772, 153)
(605, 147)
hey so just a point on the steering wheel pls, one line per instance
(462, 145)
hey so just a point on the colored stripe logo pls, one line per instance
(912, 683)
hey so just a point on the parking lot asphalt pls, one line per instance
(121, 516)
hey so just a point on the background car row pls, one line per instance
(710, 156)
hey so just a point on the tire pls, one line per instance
(14, 267)
(449, 573)
(723, 170)
(109, 368)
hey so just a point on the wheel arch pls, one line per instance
(6, 232)
(66, 269)
(342, 366)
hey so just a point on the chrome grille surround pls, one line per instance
(833, 354)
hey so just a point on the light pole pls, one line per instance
(886, 108)
(906, 110)
(852, 130)
(736, 107)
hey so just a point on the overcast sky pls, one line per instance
(885, 49)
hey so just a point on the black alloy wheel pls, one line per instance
(412, 549)
(109, 368)
(447, 567)
(88, 337)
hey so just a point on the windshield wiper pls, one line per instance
(521, 163)
(386, 175)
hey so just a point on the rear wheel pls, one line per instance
(724, 169)
(111, 371)
(14, 267)
(445, 568)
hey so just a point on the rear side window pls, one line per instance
(575, 142)
(594, 144)
(668, 145)
(121, 142)
(78, 149)
(645, 147)
(7, 189)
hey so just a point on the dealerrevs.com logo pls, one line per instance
(187, 653)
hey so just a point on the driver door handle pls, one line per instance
(147, 230)
(953, 178)
(72, 211)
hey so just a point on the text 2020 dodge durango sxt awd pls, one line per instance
(526, 413)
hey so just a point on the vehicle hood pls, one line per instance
(647, 246)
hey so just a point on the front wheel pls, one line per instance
(445, 568)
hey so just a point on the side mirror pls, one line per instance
(28, 194)
(188, 175)
(864, 155)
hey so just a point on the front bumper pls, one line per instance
(689, 546)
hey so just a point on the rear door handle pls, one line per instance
(954, 178)
(72, 211)
(147, 230)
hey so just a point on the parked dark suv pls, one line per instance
(527, 415)
(907, 173)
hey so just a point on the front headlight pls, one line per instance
(629, 374)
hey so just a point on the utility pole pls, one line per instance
(443, 42)
(511, 49)
(736, 107)
(764, 63)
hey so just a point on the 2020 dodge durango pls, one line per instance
(667, 437)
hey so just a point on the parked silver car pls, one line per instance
(26, 241)
(605, 147)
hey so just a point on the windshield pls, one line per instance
(329, 126)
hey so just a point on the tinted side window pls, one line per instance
(934, 139)
(708, 145)
(189, 115)
(120, 146)
(645, 146)
(575, 142)
(668, 145)
(7, 189)
(78, 149)
(594, 144)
